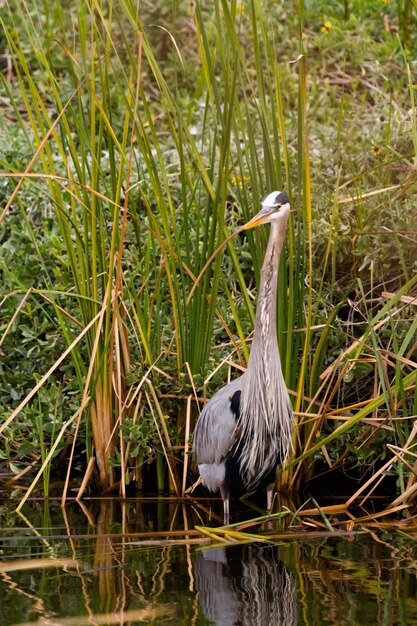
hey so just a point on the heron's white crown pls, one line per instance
(275, 199)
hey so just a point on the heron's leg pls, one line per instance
(269, 494)
(226, 511)
(225, 495)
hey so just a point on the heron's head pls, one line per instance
(274, 206)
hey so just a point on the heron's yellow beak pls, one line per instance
(258, 219)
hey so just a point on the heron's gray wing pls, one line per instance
(214, 432)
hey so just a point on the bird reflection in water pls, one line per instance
(245, 586)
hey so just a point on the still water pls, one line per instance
(141, 562)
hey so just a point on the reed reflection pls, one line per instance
(245, 585)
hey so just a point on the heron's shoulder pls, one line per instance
(228, 394)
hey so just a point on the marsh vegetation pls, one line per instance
(133, 142)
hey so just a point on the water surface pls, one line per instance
(139, 562)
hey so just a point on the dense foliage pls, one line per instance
(131, 148)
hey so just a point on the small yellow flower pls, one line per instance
(237, 181)
(376, 151)
(153, 118)
(326, 27)
(240, 8)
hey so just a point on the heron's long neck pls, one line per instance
(265, 409)
(265, 345)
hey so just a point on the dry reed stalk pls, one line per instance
(15, 315)
(380, 422)
(384, 468)
(186, 445)
(397, 450)
(61, 309)
(119, 392)
(194, 485)
(19, 565)
(197, 541)
(407, 450)
(362, 196)
(376, 393)
(374, 516)
(397, 357)
(404, 299)
(86, 477)
(161, 416)
(84, 509)
(190, 376)
(101, 415)
(332, 509)
(119, 339)
(408, 494)
(151, 615)
(96, 424)
(411, 488)
(14, 479)
(330, 390)
(353, 345)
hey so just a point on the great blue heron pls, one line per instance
(244, 432)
